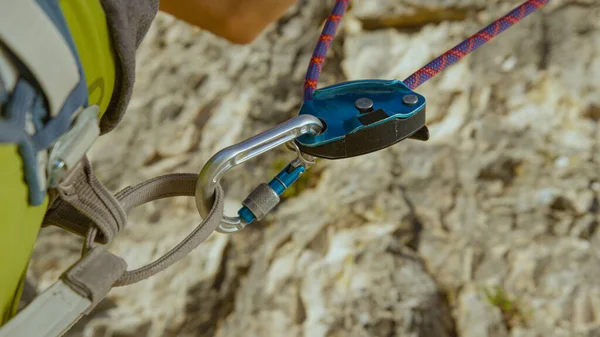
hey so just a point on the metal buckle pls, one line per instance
(232, 156)
(73, 145)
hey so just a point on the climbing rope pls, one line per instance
(325, 40)
(461, 50)
(434, 67)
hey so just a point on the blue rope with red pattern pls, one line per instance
(431, 69)
(325, 40)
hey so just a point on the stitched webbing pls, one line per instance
(85, 207)
(163, 187)
(83, 202)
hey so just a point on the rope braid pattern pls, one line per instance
(325, 40)
(464, 48)
(434, 67)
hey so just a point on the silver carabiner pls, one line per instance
(234, 155)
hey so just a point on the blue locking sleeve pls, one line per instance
(282, 181)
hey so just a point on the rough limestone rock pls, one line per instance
(490, 229)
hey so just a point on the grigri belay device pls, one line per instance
(340, 121)
(361, 117)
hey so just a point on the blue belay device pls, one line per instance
(358, 117)
(362, 117)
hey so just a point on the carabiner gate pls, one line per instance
(232, 156)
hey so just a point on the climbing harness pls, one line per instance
(356, 117)
(340, 121)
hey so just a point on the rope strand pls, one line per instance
(318, 58)
(431, 69)
(464, 48)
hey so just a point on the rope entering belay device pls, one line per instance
(340, 121)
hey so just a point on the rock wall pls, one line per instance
(487, 230)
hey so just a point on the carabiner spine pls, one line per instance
(234, 155)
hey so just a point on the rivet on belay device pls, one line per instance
(362, 117)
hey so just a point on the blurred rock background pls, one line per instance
(488, 230)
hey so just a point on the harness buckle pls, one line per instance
(73, 145)
(234, 155)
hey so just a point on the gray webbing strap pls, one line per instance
(163, 187)
(85, 207)
(74, 295)
(94, 274)
(83, 202)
